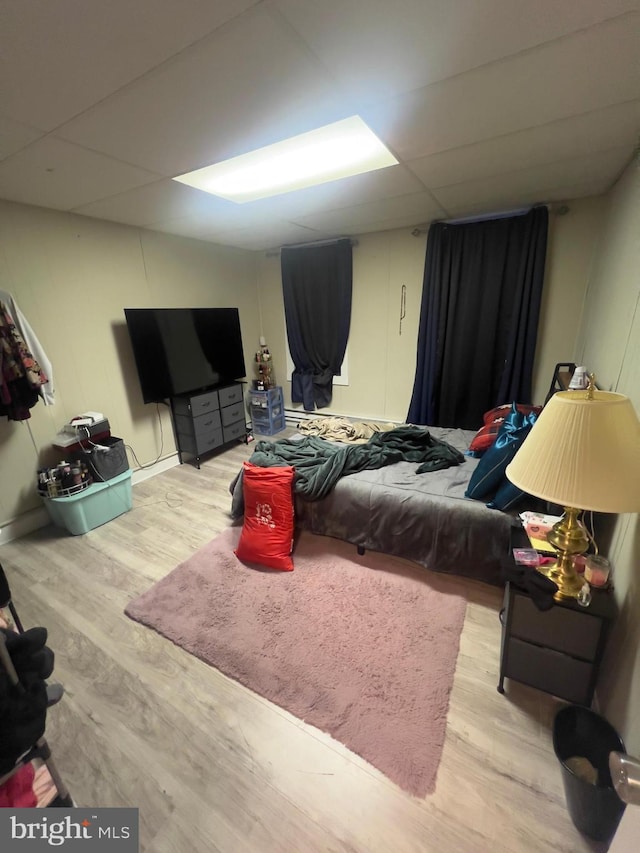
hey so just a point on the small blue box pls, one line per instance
(93, 506)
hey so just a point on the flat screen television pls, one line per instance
(182, 350)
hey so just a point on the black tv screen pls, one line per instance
(182, 350)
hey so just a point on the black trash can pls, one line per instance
(593, 804)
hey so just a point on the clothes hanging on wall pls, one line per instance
(33, 345)
(21, 376)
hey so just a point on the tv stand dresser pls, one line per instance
(208, 420)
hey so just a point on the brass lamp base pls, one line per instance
(569, 539)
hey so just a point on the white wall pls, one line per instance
(72, 276)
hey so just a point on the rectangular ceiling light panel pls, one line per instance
(338, 150)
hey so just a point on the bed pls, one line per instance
(423, 517)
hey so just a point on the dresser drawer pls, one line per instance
(237, 430)
(201, 444)
(561, 629)
(231, 414)
(204, 403)
(200, 426)
(548, 670)
(198, 405)
(229, 395)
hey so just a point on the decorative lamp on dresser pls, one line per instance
(207, 421)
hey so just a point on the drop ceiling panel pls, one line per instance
(219, 214)
(53, 173)
(419, 207)
(492, 104)
(537, 184)
(591, 70)
(382, 48)
(383, 183)
(262, 235)
(14, 136)
(579, 135)
(505, 199)
(59, 58)
(162, 200)
(273, 236)
(246, 86)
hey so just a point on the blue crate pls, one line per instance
(267, 411)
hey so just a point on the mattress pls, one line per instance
(422, 517)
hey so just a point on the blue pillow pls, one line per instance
(507, 496)
(489, 474)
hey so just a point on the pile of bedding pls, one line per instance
(319, 464)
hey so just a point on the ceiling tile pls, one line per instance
(247, 86)
(417, 207)
(165, 199)
(383, 183)
(591, 70)
(382, 49)
(14, 136)
(505, 199)
(487, 106)
(219, 214)
(273, 236)
(262, 235)
(535, 185)
(579, 135)
(61, 58)
(54, 173)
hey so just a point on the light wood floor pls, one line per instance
(214, 767)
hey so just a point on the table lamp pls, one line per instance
(582, 453)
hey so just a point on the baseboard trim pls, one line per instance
(142, 474)
(33, 519)
(26, 523)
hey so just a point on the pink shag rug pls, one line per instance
(363, 648)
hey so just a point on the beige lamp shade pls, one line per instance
(582, 453)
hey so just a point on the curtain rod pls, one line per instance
(560, 210)
(273, 253)
(463, 220)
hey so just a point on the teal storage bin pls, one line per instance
(95, 505)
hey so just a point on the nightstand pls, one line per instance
(557, 650)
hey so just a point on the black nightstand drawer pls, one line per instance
(561, 629)
(548, 670)
(557, 650)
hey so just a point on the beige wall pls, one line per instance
(609, 345)
(573, 238)
(72, 277)
(382, 360)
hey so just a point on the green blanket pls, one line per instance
(319, 464)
